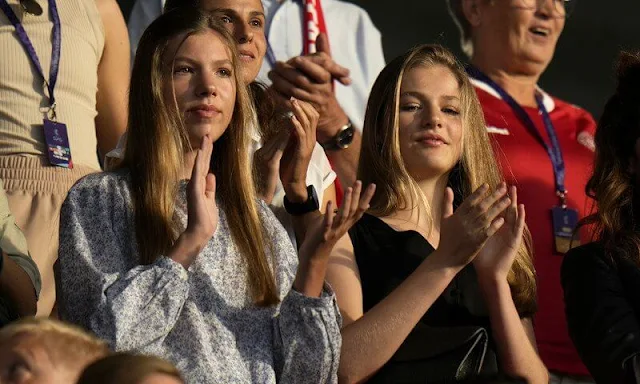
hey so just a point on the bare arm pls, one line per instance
(516, 357)
(113, 78)
(16, 286)
(492, 266)
(390, 321)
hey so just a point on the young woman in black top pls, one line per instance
(414, 264)
(601, 280)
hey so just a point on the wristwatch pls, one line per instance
(342, 139)
(299, 209)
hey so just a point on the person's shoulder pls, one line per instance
(100, 183)
(573, 110)
(584, 256)
(577, 118)
(268, 218)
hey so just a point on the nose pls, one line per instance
(431, 118)
(206, 85)
(243, 33)
(546, 8)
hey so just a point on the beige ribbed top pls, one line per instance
(22, 91)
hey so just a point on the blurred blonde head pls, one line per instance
(46, 350)
(125, 368)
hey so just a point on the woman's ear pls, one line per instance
(471, 10)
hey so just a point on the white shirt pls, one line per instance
(355, 43)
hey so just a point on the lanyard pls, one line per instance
(312, 25)
(554, 151)
(28, 46)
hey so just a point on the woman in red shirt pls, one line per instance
(544, 145)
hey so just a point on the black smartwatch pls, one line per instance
(299, 209)
(342, 139)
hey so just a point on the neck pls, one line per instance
(433, 190)
(416, 218)
(520, 86)
(187, 165)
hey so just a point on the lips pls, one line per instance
(540, 31)
(204, 110)
(246, 55)
(430, 139)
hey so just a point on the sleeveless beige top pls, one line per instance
(23, 93)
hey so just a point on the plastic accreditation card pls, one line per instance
(564, 223)
(58, 148)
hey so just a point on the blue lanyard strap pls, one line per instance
(554, 151)
(31, 52)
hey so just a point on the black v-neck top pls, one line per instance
(386, 257)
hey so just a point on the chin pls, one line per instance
(249, 73)
(198, 132)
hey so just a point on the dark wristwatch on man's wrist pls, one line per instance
(342, 139)
(299, 209)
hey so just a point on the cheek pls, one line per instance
(456, 133)
(261, 43)
(175, 92)
(405, 128)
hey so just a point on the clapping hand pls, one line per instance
(499, 252)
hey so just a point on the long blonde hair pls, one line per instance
(157, 141)
(381, 161)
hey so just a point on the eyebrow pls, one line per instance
(419, 95)
(233, 11)
(190, 60)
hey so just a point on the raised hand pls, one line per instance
(498, 253)
(297, 155)
(266, 164)
(202, 211)
(322, 236)
(327, 229)
(465, 232)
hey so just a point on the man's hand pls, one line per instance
(310, 78)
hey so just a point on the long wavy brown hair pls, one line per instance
(612, 185)
(381, 160)
(157, 142)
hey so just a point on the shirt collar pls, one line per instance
(547, 100)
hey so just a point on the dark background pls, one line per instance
(581, 71)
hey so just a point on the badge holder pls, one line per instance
(57, 139)
(565, 221)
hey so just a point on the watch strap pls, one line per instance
(342, 139)
(299, 209)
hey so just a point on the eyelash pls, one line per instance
(451, 111)
(254, 22)
(223, 72)
(415, 107)
(182, 69)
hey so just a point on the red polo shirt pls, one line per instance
(526, 164)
